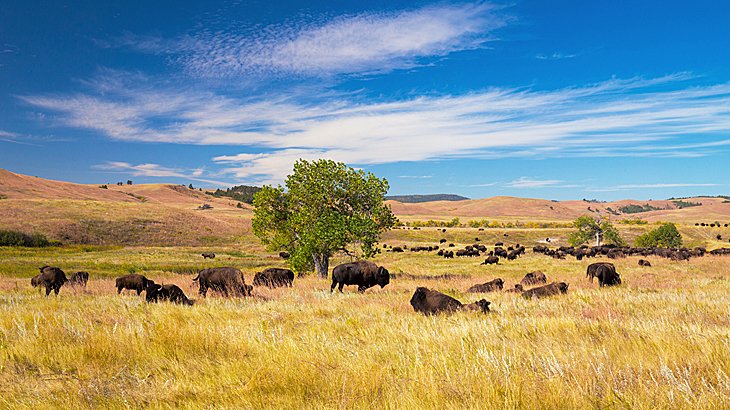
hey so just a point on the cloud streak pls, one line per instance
(659, 117)
(156, 171)
(353, 44)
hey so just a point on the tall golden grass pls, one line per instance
(661, 340)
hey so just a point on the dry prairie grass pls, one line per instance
(659, 341)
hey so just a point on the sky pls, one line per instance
(556, 100)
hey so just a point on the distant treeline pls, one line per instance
(425, 198)
(15, 238)
(483, 223)
(243, 193)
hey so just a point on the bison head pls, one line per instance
(36, 281)
(383, 277)
(483, 305)
(563, 287)
(153, 290)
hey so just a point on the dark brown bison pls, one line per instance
(134, 282)
(554, 288)
(534, 278)
(431, 302)
(51, 278)
(226, 280)
(284, 255)
(274, 277)
(491, 260)
(517, 289)
(493, 286)
(364, 274)
(79, 279)
(208, 255)
(170, 293)
(644, 262)
(605, 272)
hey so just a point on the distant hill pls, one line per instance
(415, 199)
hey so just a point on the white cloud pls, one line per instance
(658, 117)
(155, 170)
(650, 186)
(555, 56)
(361, 43)
(525, 182)
(415, 176)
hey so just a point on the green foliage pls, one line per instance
(15, 238)
(635, 209)
(242, 193)
(587, 228)
(633, 222)
(191, 186)
(685, 204)
(666, 236)
(103, 186)
(325, 207)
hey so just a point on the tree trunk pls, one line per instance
(321, 264)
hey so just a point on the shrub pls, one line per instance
(666, 236)
(15, 238)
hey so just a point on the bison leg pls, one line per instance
(139, 291)
(48, 290)
(332, 288)
(342, 285)
(203, 290)
(119, 290)
(56, 289)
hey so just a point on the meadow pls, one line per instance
(660, 340)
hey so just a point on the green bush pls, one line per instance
(15, 238)
(666, 236)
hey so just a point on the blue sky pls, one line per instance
(558, 100)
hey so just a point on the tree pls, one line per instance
(589, 229)
(190, 186)
(666, 236)
(324, 207)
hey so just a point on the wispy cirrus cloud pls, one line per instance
(555, 56)
(525, 182)
(360, 43)
(634, 117)
(156, 170)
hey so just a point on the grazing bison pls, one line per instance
(51, 278)
(644, 262)
(491, 260)
(517, 289)
(364, 274)
(493, 286)
(431, 302)
(534, 278)
(207, 255)
(606, 274)
(79, 279)
(226, 280)
(170, 293)
(284, 255)
(554, 288)
(594, 268)
(274, 277)
(134, 282)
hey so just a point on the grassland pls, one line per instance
(659, 341)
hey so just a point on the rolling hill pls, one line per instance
(166, 214)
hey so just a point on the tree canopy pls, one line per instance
(324, 207)
(588, 228)
(666, 236)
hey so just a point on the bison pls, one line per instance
(554, 288)
(284, 255)
(431, 302)
(605, 272)
(364, 274)
(644, 262)
(171, 293)
(534, 278)
(517, 289)
(226, 280)
(134, 282)
(79, 279)
(493, 286)
(491, 260)
(274, 277)
(51, 278)
(208, 255)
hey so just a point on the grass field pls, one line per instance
(659, 341)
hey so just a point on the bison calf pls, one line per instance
(554, 288)
(170, 293)
(208, 255)
(274, 277)
(430, 302)
(493, 286)
(79, 279)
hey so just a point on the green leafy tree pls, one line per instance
(324, 207)
(665, 236)
(588, 229)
